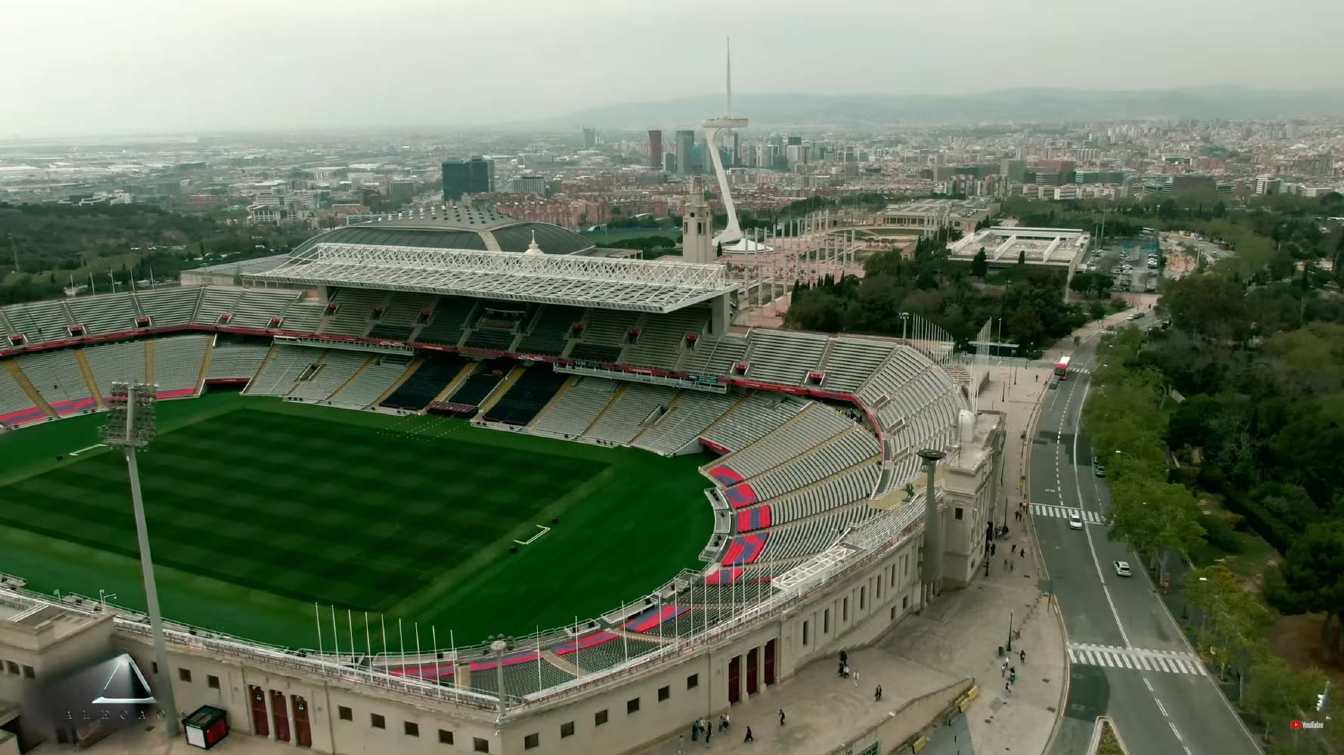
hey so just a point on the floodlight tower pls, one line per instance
(130, 427)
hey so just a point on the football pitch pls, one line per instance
(259, 508)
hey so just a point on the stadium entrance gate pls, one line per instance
(753, 659)
(280, 716)
(770, 663)
(303, 733)
(734, 674)
(260, 726)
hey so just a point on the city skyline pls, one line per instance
(201, 69)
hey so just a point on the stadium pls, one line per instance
(382, 453)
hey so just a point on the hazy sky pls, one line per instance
(94, 66)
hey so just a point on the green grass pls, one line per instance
(259, 508)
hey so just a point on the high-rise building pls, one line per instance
(655, 148)
(528, 184)
(473, 176)
(589, 138)
(686, 163)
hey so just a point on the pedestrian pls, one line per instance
(1003, 668)
(856, 679)
(1005, 686)
(877, 694)
(1012, 549)
(709, 732)
(1012, 675)
(1022, 656)
(749, 738)
(723, 722)
(992, 548)
(695, 730)
(781, 716)
(844, 658)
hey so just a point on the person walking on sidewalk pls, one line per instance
(877, 694)
(1022, 656)
(709, 732)
(749, 738)
(781, 716)
(1003, 668)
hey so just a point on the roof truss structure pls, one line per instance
(578, 281)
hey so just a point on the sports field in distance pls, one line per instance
(258, 508)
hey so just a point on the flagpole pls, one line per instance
(317, 621)
(401, 643)
(539, 685)
(452, 650)
(438, 667)
(368, 644)
(419, 657)
(350, 626)
(335, 635)
(577, 648)
(383, 623)
(625, 641)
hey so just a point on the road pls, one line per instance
(1129, 658)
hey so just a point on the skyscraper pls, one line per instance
(686, 162)
(589, 138)
(472, 176)
(655, 148)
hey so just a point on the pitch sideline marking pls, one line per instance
(534, 538)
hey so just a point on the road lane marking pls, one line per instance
(1176, 731)
(1161, 707)
(1148, 684)
(1078, 483)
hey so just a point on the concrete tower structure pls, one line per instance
(731, 237)
(697, 231)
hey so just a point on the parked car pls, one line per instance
(1122, 569)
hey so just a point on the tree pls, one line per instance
(1276, 693)
(980, 264)
(1232, 620)
(1313, 579)
(1155, 518)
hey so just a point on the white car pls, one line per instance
(1122, 569)
(1075, 522)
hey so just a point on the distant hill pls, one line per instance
(1038, 105)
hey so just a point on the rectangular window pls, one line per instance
(863, 595)
(905, 601)
(632, 706)
(826, 621)
(600, 717)
(844, 610)
(567, 729)
(664, 693)
(377, 721)
(480, 745)
(212, 681)
(959, 513)
(804, 633)
(12, 667)
(411, 728)
(345, 713)
(445, 737)
(692, 681)
(531, 741)
(28, 673)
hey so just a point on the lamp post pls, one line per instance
(905, 318)
(130, 426)
(499, 645)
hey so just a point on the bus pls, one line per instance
(1062, 367)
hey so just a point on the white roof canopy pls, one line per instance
(578, 281)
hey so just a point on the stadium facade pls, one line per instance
(817, 488)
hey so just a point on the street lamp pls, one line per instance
(499, 645)
(905, 318)
(130, 426)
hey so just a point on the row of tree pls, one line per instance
(1028, 303)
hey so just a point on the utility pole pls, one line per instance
(131, 426)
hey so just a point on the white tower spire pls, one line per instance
(728, 73)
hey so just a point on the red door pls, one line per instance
(303, 735)
(260, 726)
(734, 672)
(770, 662)
(752, 657)
(280, 715)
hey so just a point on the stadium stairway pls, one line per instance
(550, 405)
(353, 377)
(205, 365)
(457, 382)
(89, 379)
(391, 389)
(262, 367)
(12, 366)
(615, 399)
(502, 388)
(149, 360)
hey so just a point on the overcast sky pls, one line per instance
(95, 66)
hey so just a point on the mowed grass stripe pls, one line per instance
(303, 507)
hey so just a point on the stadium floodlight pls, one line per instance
(131, 426)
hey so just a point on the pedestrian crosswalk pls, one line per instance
(1064, 512)
(1135, 659)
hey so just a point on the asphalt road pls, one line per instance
(1129, 658)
